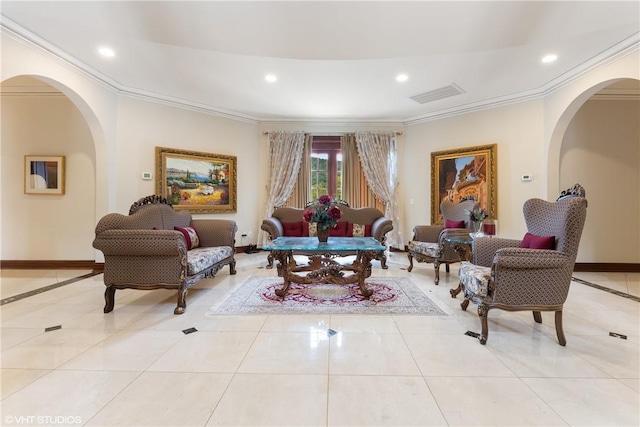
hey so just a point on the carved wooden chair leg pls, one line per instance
(232, 267)
(182, 301)
(109, 298)
(383, 262)
(270, 260)
(447, 268)
(483, 311)
(410, 262)
(465, 303)
(559, 332)
(537, 316)
(436, 267)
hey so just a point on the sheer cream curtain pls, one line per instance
(285, 155)
(354, 184)
(301, 194)
(378, 156)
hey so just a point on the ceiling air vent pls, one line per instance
(436, 94)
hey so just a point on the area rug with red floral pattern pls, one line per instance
(391, 295)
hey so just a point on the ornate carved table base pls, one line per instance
(323, 269)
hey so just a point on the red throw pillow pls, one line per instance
(367, 230)
(454, 224)
(190, 236)
(340, 230)
(305, 229)
(349, 229)
(292, 229)
(532, 241)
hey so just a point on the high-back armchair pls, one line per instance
(428, 243)
(532, 274)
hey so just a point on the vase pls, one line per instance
(323, 235)
(476, 226)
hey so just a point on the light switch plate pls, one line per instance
(147, 176)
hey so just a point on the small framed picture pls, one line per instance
(44, 174)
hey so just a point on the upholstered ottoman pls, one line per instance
(475, 280)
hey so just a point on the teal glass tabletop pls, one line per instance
(459, 238)
(336, 244)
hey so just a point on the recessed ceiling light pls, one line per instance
(549, 58)
(402, 77)
(271, 78)
(107, 52)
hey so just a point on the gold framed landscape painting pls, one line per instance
(462, 173)
(195, 181)
(44, 174)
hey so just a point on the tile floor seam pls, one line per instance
(413, 357)
(568, 423)
(37, 291)
(590, 363)
(433, 396)
(255, 338)
(27, 384)
(604, 358)
(628, 386)
(116, 394)
(224, 392)
(605, 289)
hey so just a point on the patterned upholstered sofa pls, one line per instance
(288, 222)
(144, 250)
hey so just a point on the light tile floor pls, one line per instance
(134, 366)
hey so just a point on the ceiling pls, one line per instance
(334, 60)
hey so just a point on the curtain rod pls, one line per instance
(266, 132)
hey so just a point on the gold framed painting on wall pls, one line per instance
(462, 173)
(44, 174)
(195, 181)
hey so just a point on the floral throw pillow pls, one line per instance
(358, 230)
(313, 229)
(190, 236)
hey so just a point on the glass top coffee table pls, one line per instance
(322, 267)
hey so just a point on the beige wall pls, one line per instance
(601, 151)
(46, 227)
(517, 131)
(143, 125)
(124, 132)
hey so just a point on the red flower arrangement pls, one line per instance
(324, 212)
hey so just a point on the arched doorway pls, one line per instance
(598, 145)
(39, 118)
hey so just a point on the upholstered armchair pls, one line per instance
(428, 243)
(532, 274)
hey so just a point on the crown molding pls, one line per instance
(187, 105)
(42, 46)
(610, 94)
(30, 91)
(33, 41)
(625, 47)
(616, 52)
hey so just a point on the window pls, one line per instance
(326, 166)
